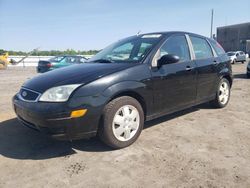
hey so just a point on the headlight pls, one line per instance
(58, 94)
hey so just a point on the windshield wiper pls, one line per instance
(102, 61)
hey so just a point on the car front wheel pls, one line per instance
(222, 94)
(123, 121)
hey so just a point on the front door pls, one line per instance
(174, 84)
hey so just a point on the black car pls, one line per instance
(248, 69)
(58, 62)
(129, 82)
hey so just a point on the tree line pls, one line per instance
(50, 52)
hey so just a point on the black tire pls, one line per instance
(105, 131)
(248, 75)
(243, 62)
(216, 102)
(233, 62)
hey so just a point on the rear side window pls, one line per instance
(202, 50)
(217, 47)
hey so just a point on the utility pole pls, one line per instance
(212, 21)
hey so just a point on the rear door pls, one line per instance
(207, 63)
(174, 84)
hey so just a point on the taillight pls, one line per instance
(49, 65)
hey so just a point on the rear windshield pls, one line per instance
(57, 58)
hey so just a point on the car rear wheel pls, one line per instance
(222, 94)
(123, 121)
(233, 62)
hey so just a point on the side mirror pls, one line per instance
(168, 59)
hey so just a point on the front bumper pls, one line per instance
(54, 119)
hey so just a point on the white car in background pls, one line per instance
(237, 56)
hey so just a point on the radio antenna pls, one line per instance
(138, 33)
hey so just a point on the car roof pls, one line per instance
(173, 32)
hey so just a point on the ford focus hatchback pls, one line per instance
(129, 82)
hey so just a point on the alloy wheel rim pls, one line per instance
(224, 93)
(126, 123)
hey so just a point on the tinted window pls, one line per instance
(176, 45)
(202, 49)
(218, 49)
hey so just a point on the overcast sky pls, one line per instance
(93, 24)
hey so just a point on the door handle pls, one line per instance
(188, 68)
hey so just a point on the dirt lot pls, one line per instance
(198, 147)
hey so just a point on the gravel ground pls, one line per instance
(198, 147)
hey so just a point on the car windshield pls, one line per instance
(129, 50)
(231, 53)
(57, 58)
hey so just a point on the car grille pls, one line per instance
(28, 95)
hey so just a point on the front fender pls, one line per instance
(124, 86)
(139, 90)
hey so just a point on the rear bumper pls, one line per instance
(53, 119)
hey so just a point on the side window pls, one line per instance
(202, 50)
(217, 47)
(71, 59)
(176, 45)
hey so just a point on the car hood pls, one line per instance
(75, 74)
